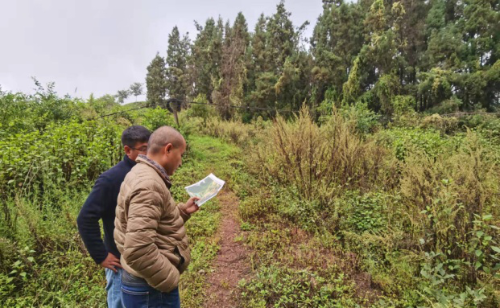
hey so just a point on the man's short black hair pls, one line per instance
(134, 134)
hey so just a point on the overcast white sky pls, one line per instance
(101, 46)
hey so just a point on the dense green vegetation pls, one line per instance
(438, 55)
(53, 149)
(345, 211)
(367, 197)
(413, 207)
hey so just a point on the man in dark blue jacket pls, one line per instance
(101, 204)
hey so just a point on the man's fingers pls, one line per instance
(112, 268)
(193, 200)
(112, 257)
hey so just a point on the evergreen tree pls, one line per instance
(352, 87)
(409, 26)
(481, 35)
(156, 81)
(429, 53)
(281, 75)
(207, 56)
(337, 39)
(177, 74)
(282, 39)
(230, 90)
(261, 78)
(259, 43)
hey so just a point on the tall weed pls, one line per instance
(320, 161)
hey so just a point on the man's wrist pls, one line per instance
(182, 209)
(100, 259)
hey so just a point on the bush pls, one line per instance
(201, 109)
(46, 169)
(366, 121)
(285, 287)
(404, 141)
(154, 118)
(450, 105)
(319, 161)
(234, 132)
(20, 112)
(69, 154)
(444, 197)
(366, 213)
(422, 219)
(446, 125)
(489, 127)
(43, 261)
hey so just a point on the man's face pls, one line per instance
(174, 158)
(138, 148)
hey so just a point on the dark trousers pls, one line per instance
(136, 293)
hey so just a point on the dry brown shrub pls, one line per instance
(320, 161)
(232, 131)
(445, 125)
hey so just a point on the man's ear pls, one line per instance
(168, 148)
(127, 149)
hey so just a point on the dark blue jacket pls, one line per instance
(101, 204)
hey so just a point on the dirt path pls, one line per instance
(231, 264)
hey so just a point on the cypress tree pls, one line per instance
(156, 81)
(177, 75)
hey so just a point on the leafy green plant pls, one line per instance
(408, 140)
(366, 213)
(366, 120)
(437, 286)
(154, 118)
(281, 287)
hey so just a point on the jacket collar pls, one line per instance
(161, 171)
(128, 161)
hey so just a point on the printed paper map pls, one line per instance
(205, 189)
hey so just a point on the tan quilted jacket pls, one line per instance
(149, 227)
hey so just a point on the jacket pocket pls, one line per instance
(178, 254)
(184, 257)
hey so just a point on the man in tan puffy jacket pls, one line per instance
(149, 225)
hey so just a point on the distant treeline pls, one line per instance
(438, 54)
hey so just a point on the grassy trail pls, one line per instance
(213, 228)
(232, 262)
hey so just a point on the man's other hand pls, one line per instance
(191, 207)
(111, 262)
